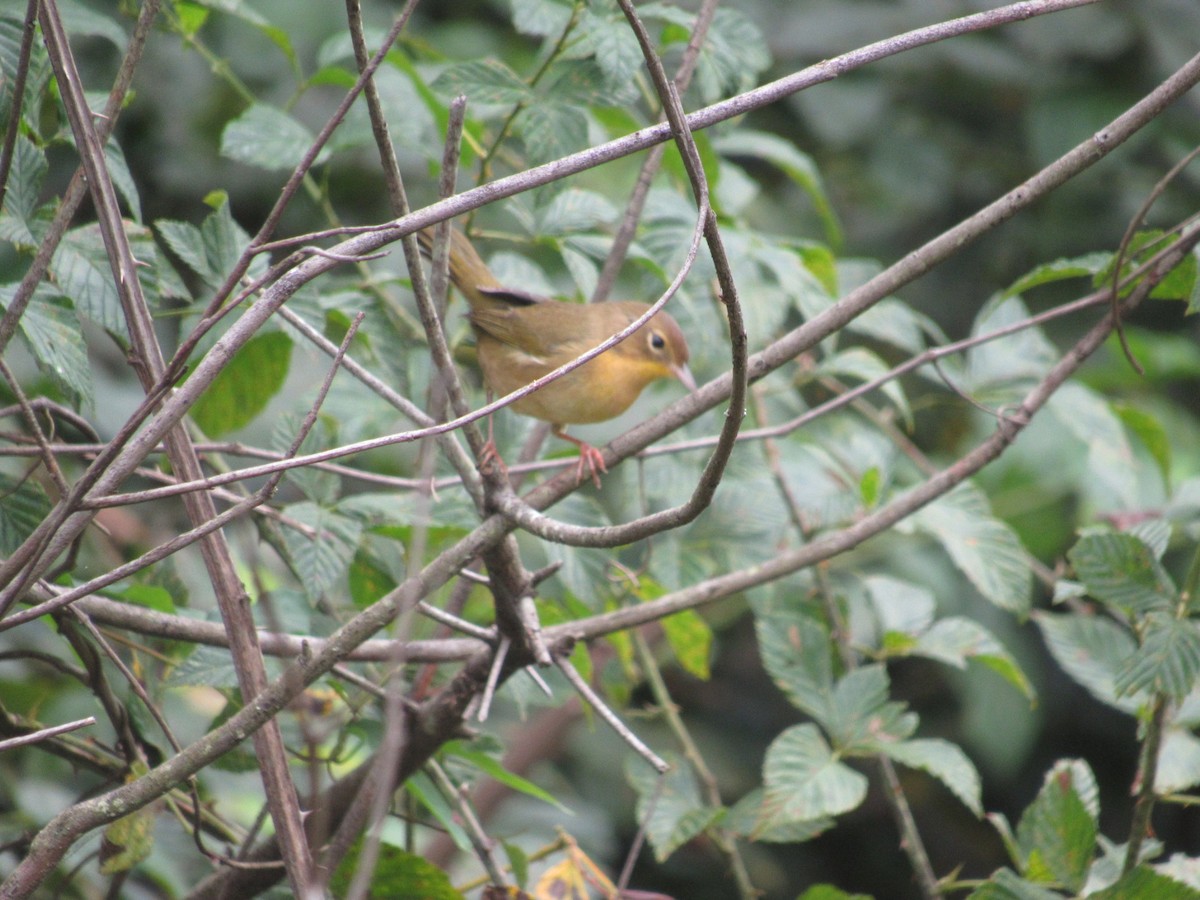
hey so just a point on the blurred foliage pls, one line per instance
(1000, 645)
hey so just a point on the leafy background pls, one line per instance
(849, 175)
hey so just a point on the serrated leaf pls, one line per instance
(1090, 649)
(747, 818)
(269, 138)
(1178, 762)
(213, 249)
(82, 270)
(1007, 885)
(551, 130)
(484, 83)
(1057, 832)
(795, 653)
(956, 641)
(858, 715)
(23, 506)
(1121, 569)
(1143, 883)
(205, 667)
(22, 198)
(672, 814)
(54, 337)
(1167, 661)
(944, 761)
(541, 18)
(985, 549)
(804, 780)
(244, 387)
(574, 210)
(1181, 868)
(323, 559)
(615, 48)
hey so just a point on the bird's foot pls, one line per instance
(490, 457)
(591, 461)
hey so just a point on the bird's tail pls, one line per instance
(468, 271)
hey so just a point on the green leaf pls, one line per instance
(614, 47)
(795, 652)
(804, 780)
(1002, 369)
(551, 130)
(213, 249)
(869, 486)
(955, 641)
(858, 715)
(23, 506)
(1087, 266)
(829, 892)
(205, 667)
(944, 761)
(1007, 885)
(269, 138)
(324, 558)
(484, 82)
(494, 768)
(398, 875)
(985, 549)
(1178, 762)
(572, 211)
(1121, 569)
(1057, 831)
(674, 814)
(860, 364)
(900, 606)
(794, 163)
(691, 640)
(244, 387)
(749, 819)
(1167, 661)
(82, 270)
(425, 791)
(541, 18)
(1150, 431)
(1111, 463)
(1180, 282)
(55, 339)
(22, 199)
(1143, 883)
(1090, 649)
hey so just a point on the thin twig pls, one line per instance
(35, 737)
(614, 722)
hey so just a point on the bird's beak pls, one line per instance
(684, 374)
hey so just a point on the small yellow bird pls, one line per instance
(522, 336)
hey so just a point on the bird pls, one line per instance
(521, 336)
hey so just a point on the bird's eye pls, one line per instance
(657, 341)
